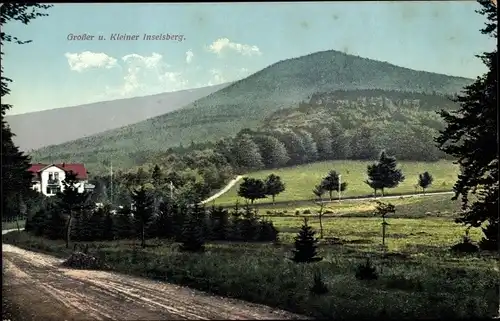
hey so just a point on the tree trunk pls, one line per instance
(251, 201)
(382, 192)
(143, 237)
(321, 221)
(330, 192)
(68, 229)
(273, 198)
(374, 192)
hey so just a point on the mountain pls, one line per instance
(56, 126)
(246, 103)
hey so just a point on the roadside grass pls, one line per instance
(300, 180)
(418, 276)
(12, 224)
(407, 207)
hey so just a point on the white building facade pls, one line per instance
(47, 179)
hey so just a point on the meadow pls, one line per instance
(300, 180)
(419, 277)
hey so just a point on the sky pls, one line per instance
(206, 44)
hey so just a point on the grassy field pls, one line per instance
(300, 180)
(419, 278)
(11, 225)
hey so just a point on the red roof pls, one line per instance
(77, 168)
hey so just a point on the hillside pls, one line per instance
(246, 103)
(90, 119)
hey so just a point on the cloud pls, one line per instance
(224, 44)
(154, 61)
(146, 75)
(81, 61)
(217, 77)
(189, 56)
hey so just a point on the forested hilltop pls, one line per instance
(246, 104)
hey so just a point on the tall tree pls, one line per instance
(310, 147)
(306, 245)
(339, 143)
(274, 153)
(332, 182)
(425, 180)
(193, 238)
(15, 177)
(384, 173)
(252, 189)
(324, 141)
(72, 201)
(318, 191)
(143, 211)
(471, 135)
(246, 153)
(274, 185)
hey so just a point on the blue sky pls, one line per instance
(224, 42)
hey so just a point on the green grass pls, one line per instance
(427, 283)
(418, 277)
(12, 225)
(408, 207)
(300, 180)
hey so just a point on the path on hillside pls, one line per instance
(224, 190)
(57, 293)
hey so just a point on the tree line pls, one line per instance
(72, 216)
(382, 175)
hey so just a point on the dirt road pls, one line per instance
(37, 286)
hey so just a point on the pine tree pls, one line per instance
(193, 239)
(471, 136)
(331, 183)
(305, 245)
(15, 175)
(384, 173)
(425, 180)
(71, 201)
(123, 226)
(143, 211)
(274, 185)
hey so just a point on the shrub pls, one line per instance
(319, 287)
(328, 212)
(466, 246)
(307, 211)
(297, 212)
(366, 271)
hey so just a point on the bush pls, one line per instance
(307, 211)
(297, 212)
(466, 246)
(366, 271)
(268, 212)
(328, 212)
(319, 287)
(80, 260)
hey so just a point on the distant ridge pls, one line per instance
(55, 126)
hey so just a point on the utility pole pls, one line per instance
(340, 183)
(111, 183)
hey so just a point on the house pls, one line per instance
(47, 178)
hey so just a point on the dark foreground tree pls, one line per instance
(252, 189)
(143, 211)
(425, 180)
(72, 201)
(306, 245)
(15, 177)
(193, 239)
(471, 136)
(274, 185)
